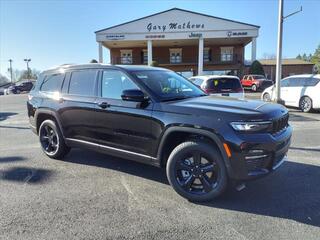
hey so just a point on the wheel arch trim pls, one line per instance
(50, 112)
(202, 132)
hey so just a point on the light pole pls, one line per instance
(27, 60)
(10, 61)
(279, 50)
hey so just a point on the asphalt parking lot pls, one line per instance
(94, 196)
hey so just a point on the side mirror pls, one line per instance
(133, 95)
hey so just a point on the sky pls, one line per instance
(54, 32)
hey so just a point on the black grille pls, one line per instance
(280, 123)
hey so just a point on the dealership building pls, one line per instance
(184, 41)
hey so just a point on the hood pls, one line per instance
(211, 105)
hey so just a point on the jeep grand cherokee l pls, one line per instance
(156, 116)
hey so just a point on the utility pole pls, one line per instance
(10, 61)
(279, 50)
(27, 60)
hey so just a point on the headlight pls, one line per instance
(251, 126)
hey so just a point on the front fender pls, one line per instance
(201, 132)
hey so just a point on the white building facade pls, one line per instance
(181, 40)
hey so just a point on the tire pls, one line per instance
(254, 88)
(266, 97)
(196, 180)
(305, 104)
(51, 140)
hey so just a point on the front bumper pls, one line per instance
(259, 154)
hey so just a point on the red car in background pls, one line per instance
(255, 82)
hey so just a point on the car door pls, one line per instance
(77, 105)
(284, 90)
(123, 125)
(294, 91)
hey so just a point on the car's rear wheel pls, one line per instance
(196, 171)
(254, 88)
(52, 142)
(305, 104)
(266, 97)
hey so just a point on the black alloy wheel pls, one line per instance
(196, 171)
(196, 174)
(51, 140)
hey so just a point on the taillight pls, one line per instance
(205, 90)
(30, 97)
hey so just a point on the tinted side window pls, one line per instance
(285, 83)
(295, 82)
(114, 82)
(52, 83)
(311, 82)
(83, 82)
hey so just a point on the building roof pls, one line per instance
(179, 9)
(288, 61)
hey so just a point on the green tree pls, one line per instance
(299, 56)
(93, 61)
(316, 58)
(256, 68)
(31, 74)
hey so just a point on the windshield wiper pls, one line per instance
(176, 98)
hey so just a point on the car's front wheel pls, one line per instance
(266, 97)
(196, 171)
(305, 104)
(52, 142)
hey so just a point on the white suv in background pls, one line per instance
(223, 85)
(301, 91)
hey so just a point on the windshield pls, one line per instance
(168, 85)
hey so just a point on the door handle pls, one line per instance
(103, 105)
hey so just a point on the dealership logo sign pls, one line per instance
(115, 36)
(195, 35)
(235, 34)
(174, 26)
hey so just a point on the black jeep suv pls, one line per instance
(156, 116)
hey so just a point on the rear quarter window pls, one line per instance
(52, 83)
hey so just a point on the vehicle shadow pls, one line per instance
(5, 115)
(15, 127)
(306, 149)
(26, 175)
(91, 158)
(11, 159)
(292, 192)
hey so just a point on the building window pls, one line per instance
(226, 54)
(206, 55)
(175, 55)
(126, 56)
(144, 56)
